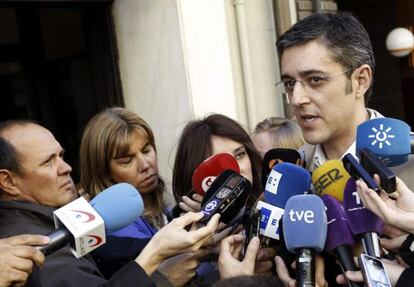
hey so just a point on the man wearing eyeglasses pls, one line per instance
(327, 64)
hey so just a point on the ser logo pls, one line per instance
(381, 136)
(327, 179)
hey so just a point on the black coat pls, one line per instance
(61, 268)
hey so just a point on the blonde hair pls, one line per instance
(284, 133)
(106, 136)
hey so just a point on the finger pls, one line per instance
(222, 234)
(402, 188)
(392, 231)
(25, 239)
(191, 203)
(320, 271)
(185, 207)
(187, 219)
(227, 246)
(251, 250)
(22, 264)
(394, 243)
(371, 199)
(202, 234)
(237, 250)
(29, 252)
(340, 279)
(197, 197)
(18, 277)
(201, 253)
(282, 271)
(355, 276)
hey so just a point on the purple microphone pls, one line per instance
(339, 239)
(363, 222)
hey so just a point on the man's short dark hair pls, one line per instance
(9, 157)
(340, 32)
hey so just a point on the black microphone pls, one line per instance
(227, 195)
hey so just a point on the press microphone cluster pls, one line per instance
(84, 225)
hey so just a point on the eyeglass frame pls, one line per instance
(304, 85)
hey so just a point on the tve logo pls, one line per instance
(306, 215)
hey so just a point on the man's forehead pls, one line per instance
(311, 56)
(31, 138)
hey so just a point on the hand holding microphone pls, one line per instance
(229, 263)
(396, 212)
(174, 239)
(17, 257)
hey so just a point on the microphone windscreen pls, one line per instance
(284, 181)
(276, 156)
(330, 178)
(119, 205)
(361, 220)
(387, 138)
(209, 169)
(339, 231)
(304, 223)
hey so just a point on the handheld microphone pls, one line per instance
(83, 224)
(363, 222)
(387, 138)
(373, 165)
(339, 238)
(209, 169)
(284, 181)
(226, 196)
(205, 173)
(357, 171)
(330, 178)
(305, 229)
(276, 156)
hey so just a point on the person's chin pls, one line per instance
(313, 137)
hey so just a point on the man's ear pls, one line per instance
(8, 183)
(363, 79)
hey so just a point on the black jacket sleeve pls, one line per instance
(406, 279)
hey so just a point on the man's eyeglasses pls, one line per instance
(311, 82)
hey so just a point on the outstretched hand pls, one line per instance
(174, 239)
(397, 212)
(229, 263)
